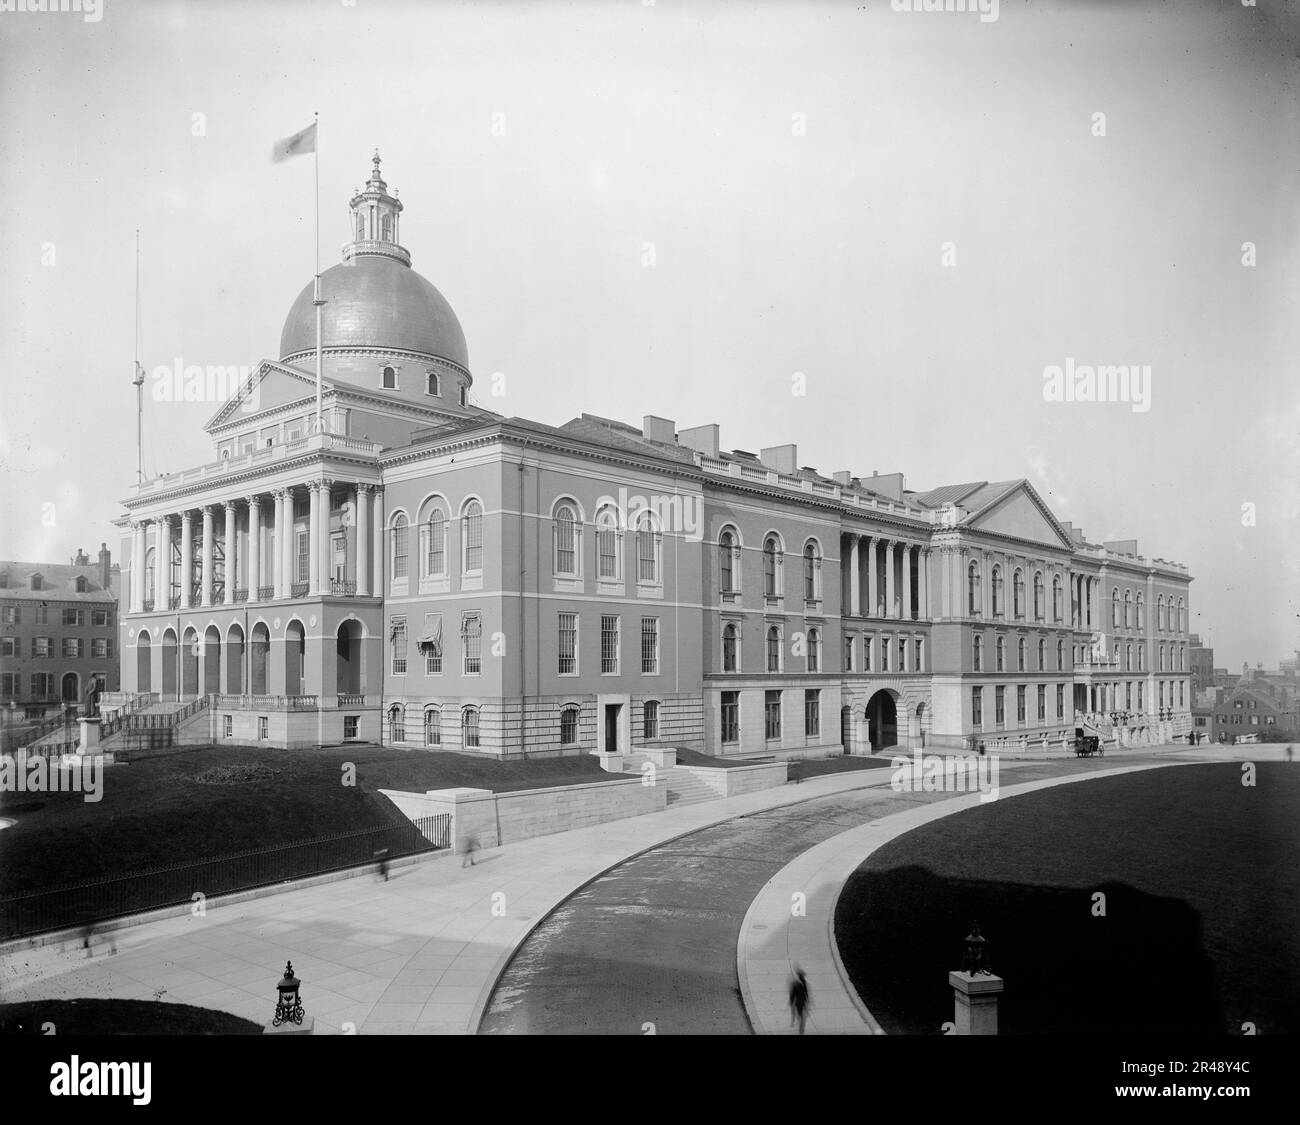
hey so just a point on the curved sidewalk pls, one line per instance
(774, 938)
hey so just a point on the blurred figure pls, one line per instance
(800, 999)
(382, 856)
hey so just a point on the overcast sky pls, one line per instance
(672, 208)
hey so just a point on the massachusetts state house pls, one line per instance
(423, 572)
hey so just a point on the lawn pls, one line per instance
(157, 810)
(1198, 935)
(118, 1017)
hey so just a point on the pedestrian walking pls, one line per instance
(800, 999)
(382, 856)
(468, 859)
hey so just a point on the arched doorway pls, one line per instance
(235, 661)
(190, 663)
(143, 662)
(212, 661)
(260, 655)
(70, 689)
(295, 649)
(882, 719)
(348, 658)
(169, 658)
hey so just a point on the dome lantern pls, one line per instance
(375, 220)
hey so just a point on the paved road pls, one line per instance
(653, 940)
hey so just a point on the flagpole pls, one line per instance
(317, 301)
(139, 374)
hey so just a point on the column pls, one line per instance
(363, 540)
(205, 578)
(187, 558)
(326, 559)
(313, 537)
(253, 576)
(873, 594)
(277, 554)
(906, 609)
(136, 602)
(889, 579)
(162, 562)
(377, 541)
(924, 574)
(288, 564)
(232, 565)
(855, 600)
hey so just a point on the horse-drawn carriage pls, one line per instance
(1086, 745)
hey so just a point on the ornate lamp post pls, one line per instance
(289, 1007)
(975, 959)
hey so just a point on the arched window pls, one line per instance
(730, 648)
(1161, 619)
(1128, 607)
(569, 726)
(433, 385)
(471, 532)
(390, 379)
(773, 649)
(149, 587)
(1040, 593)
(609, 545)
(567, 536)
(433, 543)
(469, 727)
(650, 720)
(977, 654)
(1142, 658)
(1002, 655)
(1128, 658)
(1060, 656)
(1162, 658)
(1057, 598)
(814, 650)
(1139, 616)
(648, 546)
(1018, 592)
(432, 726)
(973, 589)
(773, 558)
(401, 546)
(1116, 656)
(1042, 655)
(812, 571)
(998, 607)
(396, 723)
(1179, 625)
(1020, 655)
(1114, 608)
(729, 562)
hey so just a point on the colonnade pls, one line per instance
(889, 603)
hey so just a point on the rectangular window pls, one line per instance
(73, 617)
(397, 637)
(977, 707)
(8, 646)
(1020, 704)
(772, 714)
(471, 631)
(884, 654)
(473, 525)
(608, 644)
(10, 683)
(227, 725)
(650, 646)
(1060, 701)
(263, 727)
(848, 654)
(12, 615)
(647, 550)
(568, 662)
(731, 716)
(350, 725)
(812, 712)
(902, 654)
(401, 548)
(1042, 702)
(72, 646)
(99, 617)
(42, 615)
(1000, 705)
(99, 647)
(41, 647)
(304, 559)
(607, 551)
(431, 644)
(650, 720)
(866, 653)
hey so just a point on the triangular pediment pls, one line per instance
(269, 386)
(1021, 514)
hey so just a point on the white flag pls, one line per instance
(299, 144)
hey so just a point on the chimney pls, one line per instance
(702, 439)
(661, 430)
(105, 566)
(843, 478)
(891, 485)
(783, 459)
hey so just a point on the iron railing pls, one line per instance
(95, 900)
(340, 586)
(265, 593)
(299, 589)
(241, 593)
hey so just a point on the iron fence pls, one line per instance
(96, 900)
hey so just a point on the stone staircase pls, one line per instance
(685, 787)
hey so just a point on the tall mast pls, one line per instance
(317, 299)
(139, 374)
